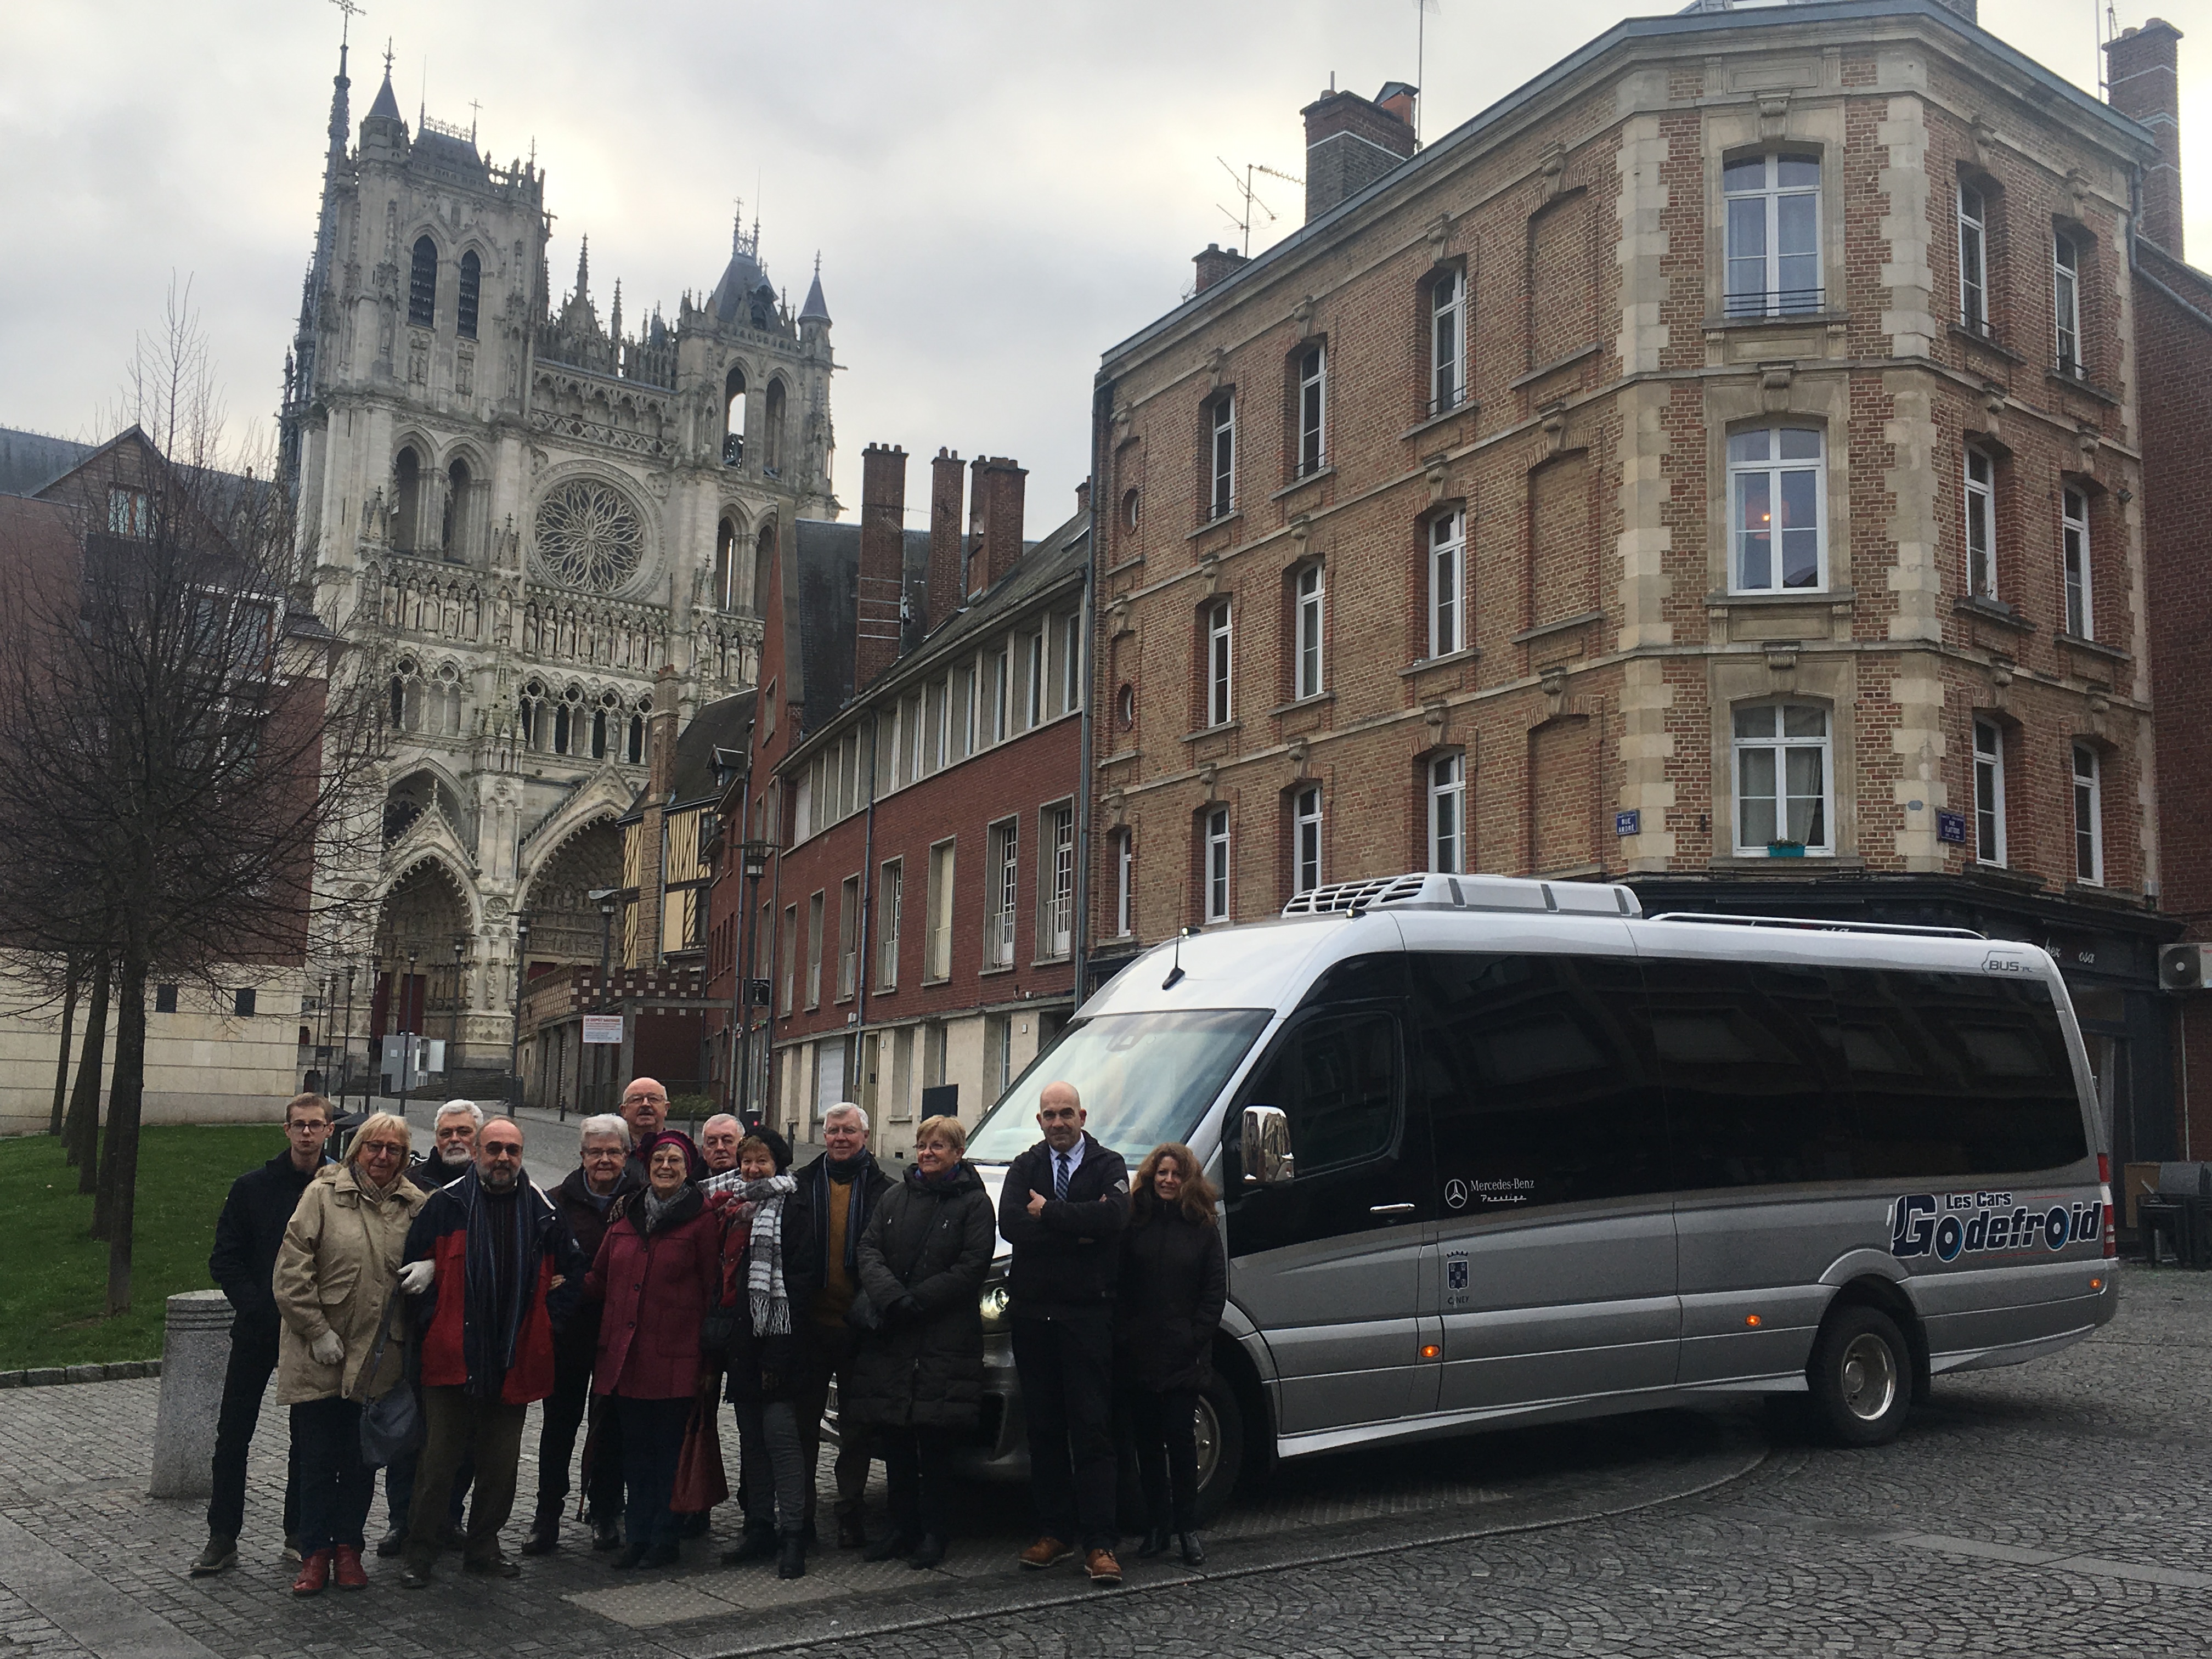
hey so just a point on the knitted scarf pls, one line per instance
(765, 1290)
(496, 1302)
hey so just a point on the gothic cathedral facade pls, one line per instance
(521, 517)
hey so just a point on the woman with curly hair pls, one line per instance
(1173, 1281)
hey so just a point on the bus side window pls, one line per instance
(1758, 1093)
(1335, 1077)
(1956, 1074)
(1538, 1074)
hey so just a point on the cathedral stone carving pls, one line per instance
(588, 536)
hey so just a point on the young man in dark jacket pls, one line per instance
(585, 1200)
(1062, 1209)
(244, 1262)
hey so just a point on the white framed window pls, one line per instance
(1313, 409)
(814, 952)
(936, 959)
(1056, 916)
(2074, 536)
(1308, 598)
(2088, 816)
(937, 723)
(1219, 659)
(790, 954)
(1305, 840)
(1033, 711)
(1000, 715)
(2066, 301)
(1216, 864)
(1223, 425)
(967, 693)
(1989, 792)
(1774, 209)
(1448, 582)
(1777, 510)
(1981, 525)
(128, 513)
(890, 903)
(1005, 869)
(1782, 773)
(848, 936)
(1447, 341)
(1071, 663)
(1125, 884)
(1974, 259)
(1447, 813)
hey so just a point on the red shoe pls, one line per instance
(314, 1574)
(345, 1568)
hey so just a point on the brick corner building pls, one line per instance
(1719, 467)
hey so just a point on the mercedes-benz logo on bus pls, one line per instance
(1455, 1194)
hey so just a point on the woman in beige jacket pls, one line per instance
(336, 1273)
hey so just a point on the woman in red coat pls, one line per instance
(658, 1270)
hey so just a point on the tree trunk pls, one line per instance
(124, 1102)
(81, 1129)
(61, 1066)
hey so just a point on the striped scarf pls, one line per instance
(765, 1290)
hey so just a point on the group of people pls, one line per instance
(412, 1312)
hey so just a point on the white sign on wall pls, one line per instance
(602, 1028)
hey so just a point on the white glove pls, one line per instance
(328, 1349)
(414, 1278)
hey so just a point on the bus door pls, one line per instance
(1555, 1276)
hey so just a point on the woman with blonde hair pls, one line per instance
(337, 1272)
(1174, 1280)
(918, 1376)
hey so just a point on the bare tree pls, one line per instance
(182, 742)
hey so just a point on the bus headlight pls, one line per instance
(993, 1305)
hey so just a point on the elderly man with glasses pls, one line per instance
(484, 1254)
(586, 1201)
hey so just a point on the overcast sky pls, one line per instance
(999, 189)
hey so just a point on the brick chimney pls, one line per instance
(1082, 498)
(947, 482)
(995, 506)
(1351, 142)
(883, 562)
(1215, 263)
(2146, 87)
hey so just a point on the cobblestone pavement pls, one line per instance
(2055, 1509)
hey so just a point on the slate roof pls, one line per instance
(720, 724)
(30, 461)
(817, 309)
(829, 558)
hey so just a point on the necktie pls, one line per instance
(1060, 1181)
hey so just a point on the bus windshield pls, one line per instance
(1144, 1079)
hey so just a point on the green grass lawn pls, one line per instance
(53, 1274)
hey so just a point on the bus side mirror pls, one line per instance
(1266, 1157)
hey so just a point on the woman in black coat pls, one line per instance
(918, 1376)
(1174, 1280)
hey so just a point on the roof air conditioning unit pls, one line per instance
(2185, 967)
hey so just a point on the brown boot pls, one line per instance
(1047, 1552)
(345, 1568)
(314, 1574)
(1102, 1567)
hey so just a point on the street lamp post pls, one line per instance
(408, 1014)
(521, 971)
(608, 905)
(453, 1036)
(345, 1043)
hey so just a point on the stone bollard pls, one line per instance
(195, 1353)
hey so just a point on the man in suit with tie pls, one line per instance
(1062, 1209)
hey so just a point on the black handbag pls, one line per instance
(390, 1424)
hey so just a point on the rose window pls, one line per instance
(589, 536)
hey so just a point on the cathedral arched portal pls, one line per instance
(420, 988)
(566, 923)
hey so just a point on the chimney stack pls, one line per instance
(947, 564)
(1351, 142)
(1214, 264)
(883, 562)
(2146, 86)
(995, 506)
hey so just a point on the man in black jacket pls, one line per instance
(838, 1193)
(244, 1262)
(585, 1199)
(1062, 1209)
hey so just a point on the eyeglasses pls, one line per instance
(308, 1127)
(383, 1149)
(601, 1154)
(502, 1149)
(645, 1100)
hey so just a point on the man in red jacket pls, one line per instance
(484, 1254)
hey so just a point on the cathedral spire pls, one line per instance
(614, 318)
(584, 271)
(817, 309)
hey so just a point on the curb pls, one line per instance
(47, 1376)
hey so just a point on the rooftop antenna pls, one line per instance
(1247, 193)
(1421, 10)
(1175, 967)
(2108, 30)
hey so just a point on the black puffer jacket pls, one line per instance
(576, 1322)
(773, 1367)
(1174, 1283)
(922, 1261)
(247, 1235)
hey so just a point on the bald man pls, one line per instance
(645, 1108)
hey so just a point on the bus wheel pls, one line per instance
(1861, 1377)
(1220, 1447)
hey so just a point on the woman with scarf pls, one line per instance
(918, 1376)
(765, 1297)
(335, 1278)
(658, 1271)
